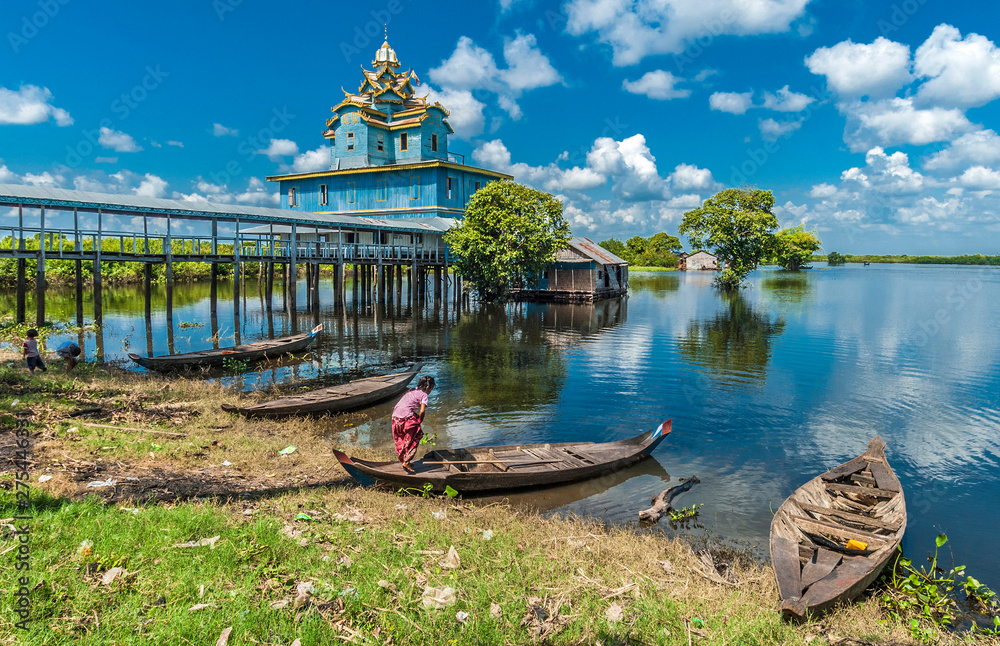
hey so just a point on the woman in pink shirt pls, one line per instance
(407, 416)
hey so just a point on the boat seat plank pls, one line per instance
(846, 469)
(884, 477)
(562, 455)
(845, 533)
(871, 492)
(819, 566)
(862, 479)
(872, 523)
(850, 571)
(787, 572)
(576, 453)
(544, 456)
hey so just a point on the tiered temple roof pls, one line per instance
(385, 94)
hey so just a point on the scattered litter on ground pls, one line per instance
(439, 515)
(302, 517)
(227, 463)
(98, 484)
(437, 598)
(451, 561)
(86, 548)
(462, 616)
(543, 616)
(224, 637)
(287, 450)
(487, 534)
(200, 606)
(44, 478)
(303, 593)
(352, 515)
(210, 542)
(113, 574)
(496, 611)
(614, 613)
(15, 403)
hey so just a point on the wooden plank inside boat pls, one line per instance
(871, 492)
(819, 566)
(785, 559)
(852, 466)
(871, 523)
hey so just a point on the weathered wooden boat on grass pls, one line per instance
(353, 394)
(490, 468)
(860, 501)
(248, 352)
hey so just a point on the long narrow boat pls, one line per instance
(248, 352)
(490, 468)
(859, 501)
(353, 394)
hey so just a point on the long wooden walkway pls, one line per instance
(98, 228)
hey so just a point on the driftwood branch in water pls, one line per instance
(661, 504)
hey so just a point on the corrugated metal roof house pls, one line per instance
(584, 271)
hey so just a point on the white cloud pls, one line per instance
(29, 105)
(528, 68)
(894, 122)
(220, 130)
(657, 84)
(312, 160)
(466, 111)
(179, 144)
(280, 148)
(638, 28)
(771, 130)
(853, 69)
(151, 186)
(961, 72)
(980, 178)
(7, 176)
(256, 194)
(118, 141)
(471, 68)
(45, 179)
(731, 102)
(105, 160)
(823, 191)
(688, 177)
(981, 147)
(785, 100)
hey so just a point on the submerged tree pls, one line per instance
(835, 259)
(510, 233)
(737, 226)
(793, 247)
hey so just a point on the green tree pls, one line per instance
(793, 247)
(510, 233)
(618, 248)
(835, 259)
(637, 245)
(663, 244)
(736, 225)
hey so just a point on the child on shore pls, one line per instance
(69, 351)
(30, 352)
(407, 416)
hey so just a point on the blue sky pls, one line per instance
(873, 122)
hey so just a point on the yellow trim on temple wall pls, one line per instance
(408, 209)
(390, 168)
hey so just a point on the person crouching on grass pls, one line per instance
(30, 352)
(69, 351)
(407, 416)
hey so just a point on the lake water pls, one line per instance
(766, 389)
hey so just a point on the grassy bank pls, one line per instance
(304, 554)
(973, 259)
(638, 268)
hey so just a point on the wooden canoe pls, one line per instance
(248, 352)
(353, 394)
(860, 500)
(491, 468)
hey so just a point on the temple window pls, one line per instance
(380, 140)
(323, 195)
(451, 188)
(404, 143)
(434, 143)
(350, 141)
(292, 196)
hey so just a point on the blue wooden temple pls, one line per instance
(389, 154)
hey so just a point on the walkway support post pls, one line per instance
(98, 292)
(21, 269)
(78, 270)
(40, 275)
(293, 275)
(168, 270)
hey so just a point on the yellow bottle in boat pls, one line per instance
(856, 545)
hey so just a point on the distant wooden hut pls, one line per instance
(584, 271)
(698, 260)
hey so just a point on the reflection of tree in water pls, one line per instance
(792, 287)
(734, 345)
(658, 283)
(502, 360)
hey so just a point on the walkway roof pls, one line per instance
(66, 199)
